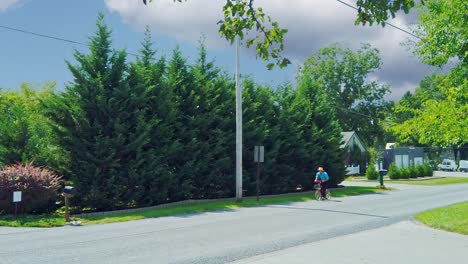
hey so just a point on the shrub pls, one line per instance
(428, 170)
(39, 188)
(404, 173)
(393, 172)
(371, 172)
(413, 172)
(420, 170)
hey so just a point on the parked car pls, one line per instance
(463, 165)
(447, 165)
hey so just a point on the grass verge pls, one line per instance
(194, 208)
(453, 218)
(440, 181)
(419, 181)
(53, 220)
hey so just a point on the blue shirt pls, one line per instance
(323, 176)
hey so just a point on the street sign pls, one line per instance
(259, 154)
(17, 197)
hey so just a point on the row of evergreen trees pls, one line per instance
(158, 130)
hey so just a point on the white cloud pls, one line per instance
(5, 4)
(185, 21)
(312, 24)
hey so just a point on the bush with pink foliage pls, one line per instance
(40, 188)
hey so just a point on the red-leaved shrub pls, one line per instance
(39, 186)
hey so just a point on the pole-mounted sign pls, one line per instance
(259, 156)
(16, 200)
(17, 197)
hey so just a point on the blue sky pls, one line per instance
(28, 58)
(314, 24)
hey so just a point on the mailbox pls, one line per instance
(69, 191)
(382, 173)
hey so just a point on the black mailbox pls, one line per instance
(69, 191)
(383, 172)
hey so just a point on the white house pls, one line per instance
(353, 144)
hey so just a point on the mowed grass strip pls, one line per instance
(177, 210)
(52, 220)
(418, 181)
(432, 182)
(453, 218)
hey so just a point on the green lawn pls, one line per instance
(419, 181)
(51, 221)
(32, 220)
(441, 181)
(452, 218)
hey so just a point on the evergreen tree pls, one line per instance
(103, 125)
(213, 157)
(146, 72)
(260, 127)
(180, 83)
(319, 130)
(291, 168)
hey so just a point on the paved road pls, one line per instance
(222, 237)
(406, 242)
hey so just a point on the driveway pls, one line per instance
(451, 174)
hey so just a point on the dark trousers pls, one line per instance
(323, 188)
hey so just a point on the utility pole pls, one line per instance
(238, 123)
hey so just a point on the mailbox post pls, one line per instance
(68, 192)
(382, 173)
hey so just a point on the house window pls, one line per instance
(402, 161)
(418, 161)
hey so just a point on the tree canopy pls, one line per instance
(435, 117)
(26, 134)
(436, 114)
(444, 32)
(343, 75)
